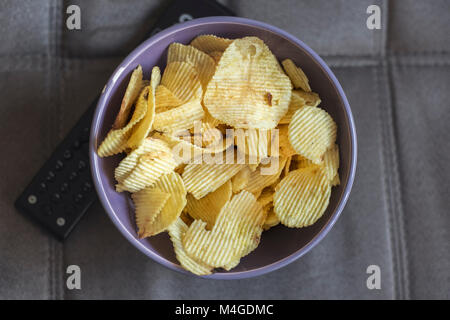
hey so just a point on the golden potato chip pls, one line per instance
(285, 147)
(182, 80)
(176, 232)
(131, 94)
(165, 99)
(240, 180)
(271, 220)
(208, 207)
(248, 89)
(187, 219)
(202, 62)
(209, 43)
(141, 130)
(331, 164)
(287, 166)
(201, 179)
(149, 203)
(237, 228)
(265, 175)
(127, 165)
(310, 99)
(254, 143)
(266, 197)
(216, 55)
(179, 118)
(301, 198)
(116, 139)
(296, 74)
(299, 99)
(311, 132)
(149, 168)
(336, 181)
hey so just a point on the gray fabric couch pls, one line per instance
(397, 82)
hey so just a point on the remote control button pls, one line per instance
(64, 187)
(87, 186)
(67, 155)
(32, 199)
(78, 198)
(56, 197)
(42, 187)
(50, 176)
(46, 209)
(76, 145)
(73, 175)
(59, 165)
(81, 165)
(60, 221)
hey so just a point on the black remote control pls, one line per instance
(62, 191)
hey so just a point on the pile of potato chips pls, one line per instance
(224, 144)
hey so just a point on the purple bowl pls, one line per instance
(280, 245)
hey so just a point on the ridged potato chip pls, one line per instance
(176, 232)
(203, 63)
(249, 88)
(201, 179)
(297, 101)
(285, 147)
(141, 130)
(208, 207)
(296, 74)
(301, 198)
(240, 180)
(216, 55)
(238, 227)
(127, 165)
(149, 168)
(259, 179)
(254, 143)
(271, 220)
(331, 164)
(287, 166)
(165, 99)
(172, 184)
(187, 219)
(266, 196)
(311, 132)
(131, 93)
(116, 139)
(148, 203)
(310, 99)
(179, 118)
(209, 43)
(182, 80)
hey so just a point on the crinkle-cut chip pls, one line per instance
(149, 168)
(209, 43)
(237, 229)
(127, 165)
(240, 180)
(249, 89)
(208, 207)
(210, 134)
(301, 198)
(254, 143)
(287, 166)
(296, 102)
(265, 175)
(172, 184)
(176, 232)
(187, 219)
(311, 132)
(310, 99)
(201, 179)
(141, 130)
(116, 139)
(336, 181)
(331, 161)
(203, 63)
(266, 196)
(285, 147)
(131, 93)
(301, 162)
(148, 203)
(180, 168)
(179, 118)
(165, 99)
(216, 55)
(271, 220)
(296, 74)
(182, 80)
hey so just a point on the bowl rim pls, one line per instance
(107, 92)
